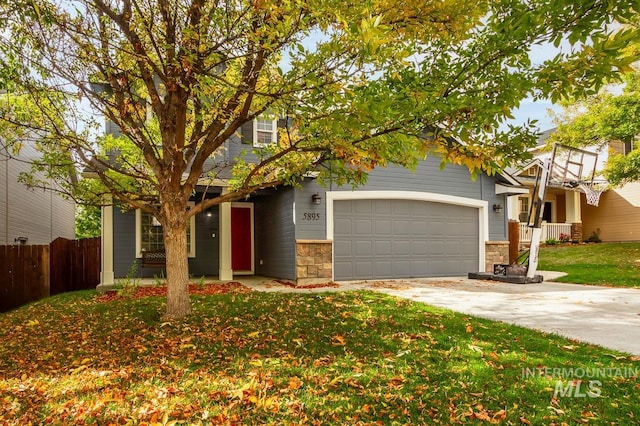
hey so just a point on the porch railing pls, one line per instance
(549, 230)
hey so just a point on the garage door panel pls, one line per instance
(383, 269)
(364, 248)
(342, 249)
(401, 247)
(363, 226)
(401, 227)
(419, 247)
(401, 268)
(383, 247)
(383, 207)
(404, 238)
(342, 226)
(363, 206)
(364, 268)
(402, 208)
(383, 227)
(420, 228)
(342, 269)
(419, 268)
(342, 208)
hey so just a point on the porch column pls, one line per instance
(225, 273)
(573, 213)
(513, 205)
(106, 249)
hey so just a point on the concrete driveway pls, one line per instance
(606, 316)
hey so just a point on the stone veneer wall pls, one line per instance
(496, 252)
(576, 232)
(313, 261)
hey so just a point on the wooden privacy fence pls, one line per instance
(24, 275)
(29, 273)
(75, 264)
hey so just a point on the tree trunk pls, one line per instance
(175, 245)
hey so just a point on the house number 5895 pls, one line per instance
(311, 216)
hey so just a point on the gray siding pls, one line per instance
(39, 215)
(498, 222)
(453, 180)
(275, 234)
(124, 246)
(311, 219)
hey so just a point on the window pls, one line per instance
(265, 131)
(150, 236)
(523, 203)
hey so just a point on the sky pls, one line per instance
(536, 110)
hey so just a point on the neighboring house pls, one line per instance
(616, 218)
(401, 224)
(30, 216)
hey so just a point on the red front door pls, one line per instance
(241, 258)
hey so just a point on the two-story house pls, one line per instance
(30, 216)
(426, 223)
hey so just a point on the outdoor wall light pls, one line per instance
(497, 208)
(316, 198)
(20, 240)
(209, 213)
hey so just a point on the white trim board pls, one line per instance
(481, 205)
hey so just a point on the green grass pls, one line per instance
(612, 264)
(324, 358)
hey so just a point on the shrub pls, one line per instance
(552, 242)
(594, 237)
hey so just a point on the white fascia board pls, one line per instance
(502, 188)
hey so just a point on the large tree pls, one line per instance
(362, 85)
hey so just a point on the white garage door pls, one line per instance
(404, 239)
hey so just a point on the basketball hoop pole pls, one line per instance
(538, 211)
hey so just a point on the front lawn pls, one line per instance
(326, 358)
(613, 264)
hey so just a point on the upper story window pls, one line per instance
(265, 131)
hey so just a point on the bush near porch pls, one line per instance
(609, 264)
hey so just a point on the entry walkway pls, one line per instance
(605, 316)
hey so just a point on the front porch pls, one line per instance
(555, 231)
(562, 215)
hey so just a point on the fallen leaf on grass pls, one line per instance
(295, 383)
(208, 289)
(338, 340)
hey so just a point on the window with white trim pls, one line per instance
(265, 131)
(150, 235)
(523, 207)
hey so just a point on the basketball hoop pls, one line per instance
(593, 190)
